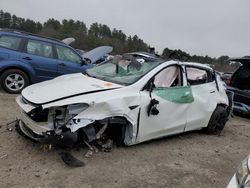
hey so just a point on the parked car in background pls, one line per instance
(241, 179)
(226, 77)
(145, 56)
(125, 100)
(94, 56)
(27, 58)
(240, 86)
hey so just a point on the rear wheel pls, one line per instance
(14, 80)
(217, 121)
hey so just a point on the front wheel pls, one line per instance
(14, 80)
(217, 121)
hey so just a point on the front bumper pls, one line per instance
(33, 130)
(42, 134)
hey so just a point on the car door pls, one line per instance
(9, 47)
(173, 99)
(204, 89)
(69, 61)
(40, 56)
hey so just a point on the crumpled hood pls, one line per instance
(65, 86)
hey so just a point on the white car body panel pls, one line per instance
(107, 100)
(64, 86)
(167, 122)
(233, 183)
(200, 111)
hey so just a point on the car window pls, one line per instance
(196, 76)
(10, 42)
(169, 77)
(39, 48)
(67, 54)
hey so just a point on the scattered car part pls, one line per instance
(70, 160)
(3, 156)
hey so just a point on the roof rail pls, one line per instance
(28, 33)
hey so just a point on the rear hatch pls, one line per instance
(240, 81)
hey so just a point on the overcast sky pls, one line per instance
(203, 27)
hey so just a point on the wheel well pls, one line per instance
(223, 105)
(14, 67)
(118, 129)
(228, 108)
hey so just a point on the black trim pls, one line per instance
(138, 122)
(133, 107)
(85, 93)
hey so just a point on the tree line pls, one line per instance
(97, 35)
(86, 38)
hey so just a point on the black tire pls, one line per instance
(20, 83)
(217, 121)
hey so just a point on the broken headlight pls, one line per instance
(61, 116)
(77, 108)
(243, 175)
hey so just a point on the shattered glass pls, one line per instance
(175, 94)
(122, 70)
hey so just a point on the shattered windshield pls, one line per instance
(123, 70)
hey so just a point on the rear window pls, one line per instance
(241, 78)
(10, 42)
(196, 76)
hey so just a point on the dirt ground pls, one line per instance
(186, 160)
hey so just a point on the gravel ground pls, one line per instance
(187, 160)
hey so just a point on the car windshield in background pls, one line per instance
(122, 70)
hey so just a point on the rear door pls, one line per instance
(40, 56)
(69, 61)
(205, 93)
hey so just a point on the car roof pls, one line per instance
(30, 35)
(200, 65)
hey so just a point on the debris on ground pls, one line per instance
(89, 153)
(3, 156)
(106, 145)
(70, 160)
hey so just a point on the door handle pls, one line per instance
(62, 64)
(27, 58)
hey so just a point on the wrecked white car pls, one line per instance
(126, 101)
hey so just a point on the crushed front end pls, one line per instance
(61, 125)
(52, 126)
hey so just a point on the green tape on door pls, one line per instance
(180, 95)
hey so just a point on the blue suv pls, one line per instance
(27, 58)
